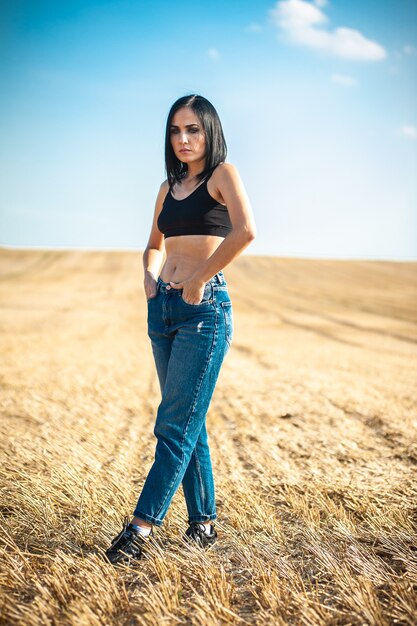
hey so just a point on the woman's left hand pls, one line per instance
(193, 290)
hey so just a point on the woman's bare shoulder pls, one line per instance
(163, 189)
(226, 171)
(226, 174)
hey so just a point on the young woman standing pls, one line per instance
(202, 221)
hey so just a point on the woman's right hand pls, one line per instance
(149, 285)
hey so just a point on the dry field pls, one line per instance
(312, 431)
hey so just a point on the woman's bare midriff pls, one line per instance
(185, 253)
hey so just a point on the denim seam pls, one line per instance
(227, 308)
(210, 354)
(200, 478)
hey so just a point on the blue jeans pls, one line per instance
(189, 343)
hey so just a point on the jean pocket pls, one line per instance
(207, 299)
(228, 320)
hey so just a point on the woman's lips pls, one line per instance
(185, 150)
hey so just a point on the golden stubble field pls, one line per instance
(312, 432)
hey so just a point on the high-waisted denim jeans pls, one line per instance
(189, 343)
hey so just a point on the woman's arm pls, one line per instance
(154, 252)
(234, 194)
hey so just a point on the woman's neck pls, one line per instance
(193, 172)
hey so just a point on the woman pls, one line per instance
(202, 220)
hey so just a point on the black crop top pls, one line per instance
(197, 214)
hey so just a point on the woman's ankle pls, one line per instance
(137, 521)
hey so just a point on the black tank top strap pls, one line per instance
(212, 171)
(206, 179)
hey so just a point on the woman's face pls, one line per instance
(187, 136)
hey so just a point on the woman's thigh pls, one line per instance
(189, 342)
(161, 340)
(197, 352)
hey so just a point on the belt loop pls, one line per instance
(219, 278)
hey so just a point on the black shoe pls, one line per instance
(196, 533)
(127, 545)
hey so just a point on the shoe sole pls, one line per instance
(121, 558)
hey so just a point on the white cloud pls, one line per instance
(409, 131)
(214, 54)
(254, 27)
(343, 79)
(320, 3)
(305, 24)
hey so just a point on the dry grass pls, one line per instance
(312, 430)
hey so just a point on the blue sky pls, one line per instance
(317, 101)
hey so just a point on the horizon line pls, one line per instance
(287, 256)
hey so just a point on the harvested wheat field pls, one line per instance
(312, 432)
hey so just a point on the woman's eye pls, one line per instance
(174, 131)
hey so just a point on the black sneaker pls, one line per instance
(196, 533)
(127, 545)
